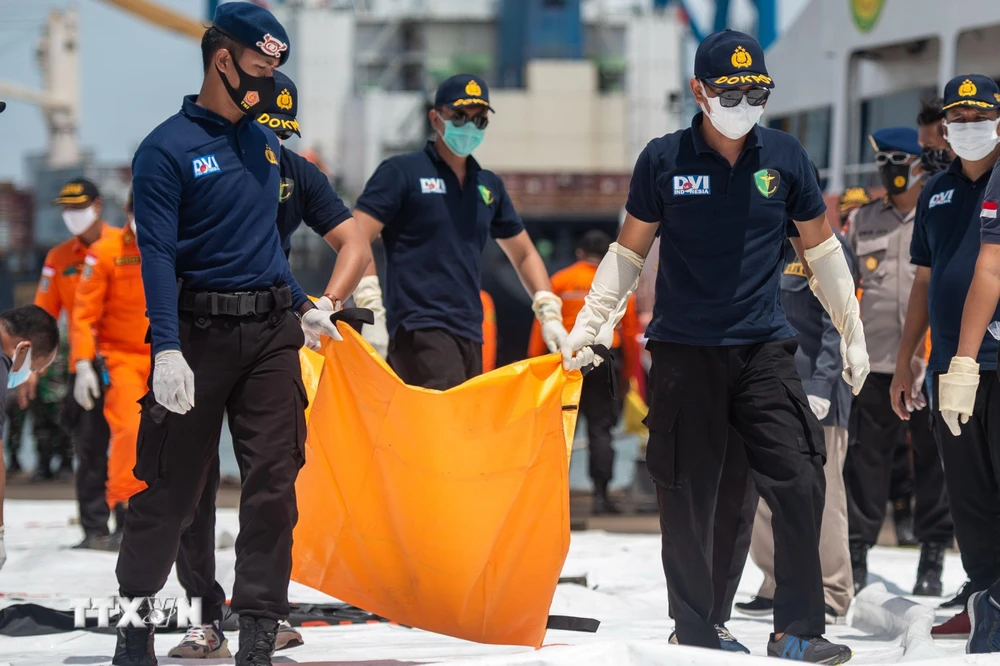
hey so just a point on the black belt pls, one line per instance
(238, 304)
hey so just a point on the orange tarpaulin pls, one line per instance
(446, 511)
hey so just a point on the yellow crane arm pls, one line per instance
(161, 16)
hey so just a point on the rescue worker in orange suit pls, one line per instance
(109, 323)
(596, 404)
(489, 332)
(82, 206)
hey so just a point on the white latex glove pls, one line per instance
(173, 382)
(819, 406)
(3, 550)
(919, 367)
(87, 388)
(833, 285)
(957, 392)
(368, 295)
(317, 323)
(616, 278)
(548, 311)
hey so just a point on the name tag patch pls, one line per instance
(205, 165)
(432, 186)
(941, 198)
(684, 185)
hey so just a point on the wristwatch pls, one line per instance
(304, 308)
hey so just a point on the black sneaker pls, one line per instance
(961, 599)
(257, 637)
(929, 570)
(832, 616)
(859, 565)
(756, 607)
(134, 647)
(810, 649)
(93, 542)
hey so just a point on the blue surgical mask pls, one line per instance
(17, 377)
(462, 140)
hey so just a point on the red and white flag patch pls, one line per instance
(990, 209)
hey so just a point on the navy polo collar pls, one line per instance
(754, 139)
(955, 169)
(471, 163)
(190, 109)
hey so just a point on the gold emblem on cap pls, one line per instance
(967, 89)
(472, 89)
(71, 190)
(996, 96)
(284, 100)
(269, 154)
(741, 58)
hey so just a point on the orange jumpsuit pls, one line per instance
(109, 317)
(489, 332)
(572, 285)
(60, 275)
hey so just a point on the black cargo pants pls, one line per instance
(696, 394)
(247, 367)
(91, 437)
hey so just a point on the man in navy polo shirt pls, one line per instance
(206, 186)
(435, 209)
(305, 196)
(721, 194)
(953, 207)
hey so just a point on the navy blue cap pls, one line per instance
(254, 27)
(975, 90)
(280, 115)
(730, 59)
(901, 139)
(463, 90)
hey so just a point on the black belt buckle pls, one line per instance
(247, 304)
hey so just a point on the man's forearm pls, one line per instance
(980, 305)
(916, 324)
(532, 274)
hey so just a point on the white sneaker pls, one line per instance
(288, 637)
(203, 641)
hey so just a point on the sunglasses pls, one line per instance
(895, 158)
(284, 135)
(458, 119)
(731, 98)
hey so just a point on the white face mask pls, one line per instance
(78, 221)
(733, 123)
(972, 141)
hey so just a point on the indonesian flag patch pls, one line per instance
(990, 209)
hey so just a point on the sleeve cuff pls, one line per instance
(920, 261)
(165, 346)
(809, 215)
(817, 387)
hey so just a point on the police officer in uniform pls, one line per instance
(721, 194)
(945, 248)
(435, 209)
(880, 235)
(306, 196)
(206, 185)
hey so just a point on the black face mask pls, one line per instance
(897, 178)
(254, 94)
(935, 161)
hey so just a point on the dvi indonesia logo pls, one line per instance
(137, 612)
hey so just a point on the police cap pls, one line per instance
(77, 191)
(975, 90)
(254, 27)
(730, 59)
(280, 114)
(901, 139)
(463, 90)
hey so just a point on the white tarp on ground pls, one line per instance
(626, 592)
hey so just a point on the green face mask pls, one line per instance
(462, 140)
